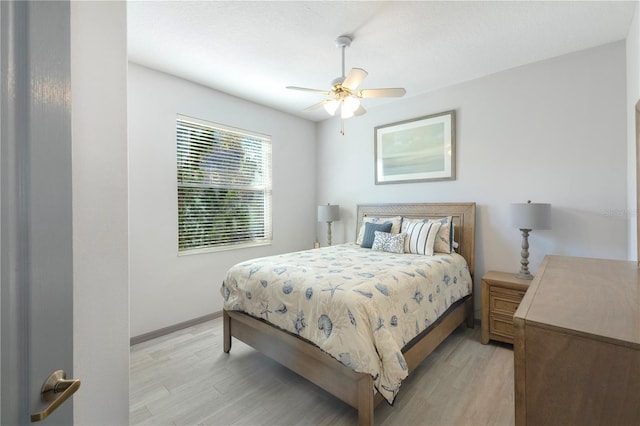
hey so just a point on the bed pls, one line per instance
(317, 346)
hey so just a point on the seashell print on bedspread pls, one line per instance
(358, 305)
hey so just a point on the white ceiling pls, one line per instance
(254, 49)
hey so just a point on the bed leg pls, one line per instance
(365, 401)
(470, 313)
(227, 331)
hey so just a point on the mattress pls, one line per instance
(359, 305)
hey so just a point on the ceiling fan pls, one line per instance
(343, 94)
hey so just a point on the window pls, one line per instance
(224, 186)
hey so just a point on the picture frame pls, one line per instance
(420, 149)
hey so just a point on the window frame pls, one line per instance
(266, 189)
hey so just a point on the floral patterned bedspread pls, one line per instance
(359, 305)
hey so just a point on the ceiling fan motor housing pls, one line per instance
(337, 81)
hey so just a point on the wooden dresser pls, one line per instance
(577, 344)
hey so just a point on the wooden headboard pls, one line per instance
(464, 220)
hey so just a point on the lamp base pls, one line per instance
(525, 276)
(524, 262)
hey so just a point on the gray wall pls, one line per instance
(552, 131)
(167, 289)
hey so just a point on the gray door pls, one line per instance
(36, 302)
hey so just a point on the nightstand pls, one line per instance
(501, 295)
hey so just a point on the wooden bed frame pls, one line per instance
(306, 359)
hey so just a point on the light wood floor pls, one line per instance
(185, 378)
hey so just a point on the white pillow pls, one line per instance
(421, 237)
(396, 223)
(385, 241)
(444, 239)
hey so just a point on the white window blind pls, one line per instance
(224, 186)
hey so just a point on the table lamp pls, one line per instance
(328, 213)
(526, 217)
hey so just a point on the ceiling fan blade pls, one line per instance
(318, 105)
(360, 110)
(354, 78)
(306, 89)
(382, 93)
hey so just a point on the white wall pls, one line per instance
(167, 289)
(633, 96)
(100, 246)
(553, 131)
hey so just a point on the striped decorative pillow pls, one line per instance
(444, 240)
(421, 237)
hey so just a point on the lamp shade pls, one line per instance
(328, 213)
(530, 215)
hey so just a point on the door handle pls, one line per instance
(56, 390)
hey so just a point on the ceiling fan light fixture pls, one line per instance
(332, 106)
(351, 103)
(345, 112)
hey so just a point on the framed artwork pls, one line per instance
(418, 150)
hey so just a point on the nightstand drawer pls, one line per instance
(508, 292)
(504, 303)
(502, 326)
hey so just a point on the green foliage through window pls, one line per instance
(224, 186)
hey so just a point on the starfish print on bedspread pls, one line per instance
(333, 289)
(265, 310)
